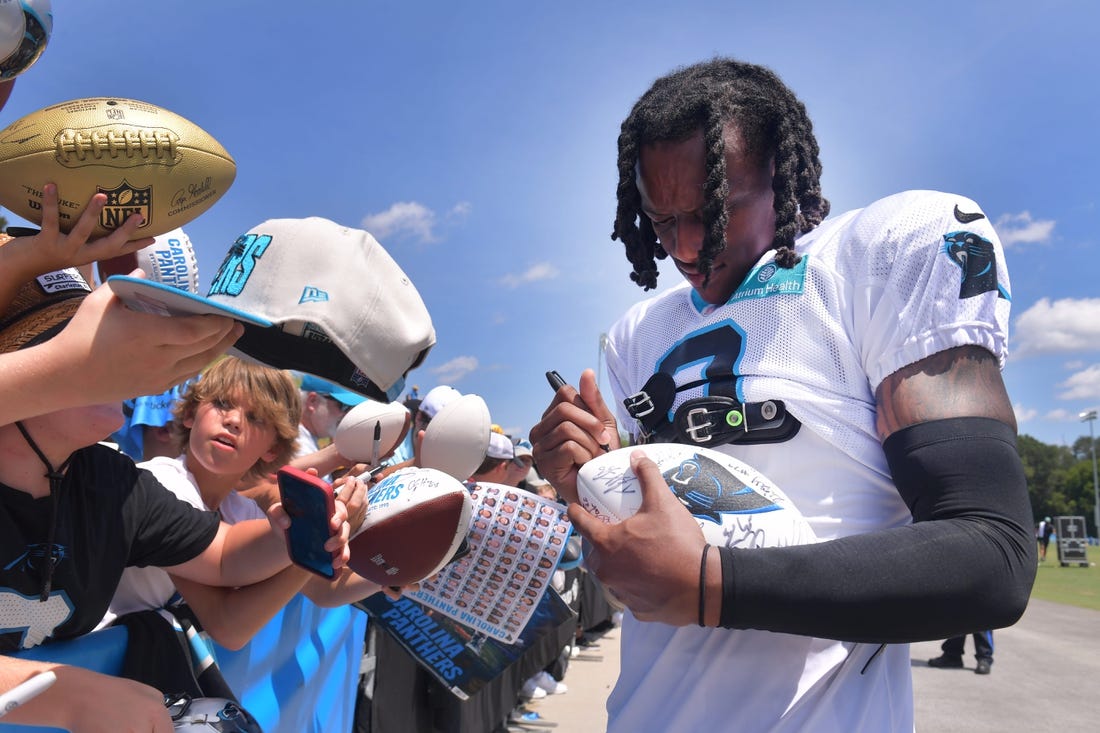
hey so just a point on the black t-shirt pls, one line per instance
(110, 515)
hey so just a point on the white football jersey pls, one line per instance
(877, 289)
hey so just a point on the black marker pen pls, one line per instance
(555, 380)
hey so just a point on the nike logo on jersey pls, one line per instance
(964, 218)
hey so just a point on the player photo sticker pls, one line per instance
(506, 588)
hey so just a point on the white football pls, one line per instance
(25, 28)
(734, 503)
(170, 260)
(416, 520)
(355, 434)
(457, 438)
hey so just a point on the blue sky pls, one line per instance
(477, 142)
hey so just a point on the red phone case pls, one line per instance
(309, 502)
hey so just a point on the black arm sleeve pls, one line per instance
(966, 564)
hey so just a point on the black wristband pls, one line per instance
(703, 586)
(725, 618)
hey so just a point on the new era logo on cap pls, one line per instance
(316, 297)
(313, 295)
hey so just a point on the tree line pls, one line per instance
(1059, 478)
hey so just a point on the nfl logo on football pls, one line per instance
(124, 201)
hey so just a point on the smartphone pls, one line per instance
(310, 503)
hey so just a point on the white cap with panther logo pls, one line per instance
(315, 297)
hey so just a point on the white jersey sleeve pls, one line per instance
(927, 274)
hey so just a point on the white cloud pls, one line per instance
(540, 271)
(1073, 364)
(1022, 229)
(1060, 415)
(1059, 326)
(455, 369)
(1083, 385)
(412, 219)
(405, 218)
(1023, 414)
(459, 211)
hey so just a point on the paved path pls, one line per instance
(1046, 677)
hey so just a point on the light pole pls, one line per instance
(1090, 418)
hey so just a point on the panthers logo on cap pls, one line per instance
(239, 263)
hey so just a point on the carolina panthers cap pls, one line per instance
(314, 297)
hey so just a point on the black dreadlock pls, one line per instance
(774, 125)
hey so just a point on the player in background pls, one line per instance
(855, 361)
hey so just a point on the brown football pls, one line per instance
(146, 160)
(416, 521)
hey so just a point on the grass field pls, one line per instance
(1074, 585)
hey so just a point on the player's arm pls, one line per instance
(966, 563)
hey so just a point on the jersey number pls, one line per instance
(719, 348)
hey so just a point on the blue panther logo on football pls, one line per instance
(708, 490)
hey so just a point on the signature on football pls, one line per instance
(741, 533)
(616, 480)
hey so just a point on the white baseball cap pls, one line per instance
(523, 448)
(315, 297)
(500, 446)
(438, 398)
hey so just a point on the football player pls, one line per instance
(855, 361)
